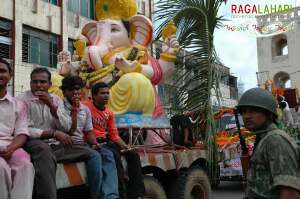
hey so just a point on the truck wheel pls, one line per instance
(194, 184)
(153, 189)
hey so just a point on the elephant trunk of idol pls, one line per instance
(94, 54)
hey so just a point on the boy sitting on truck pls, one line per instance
(106, 131)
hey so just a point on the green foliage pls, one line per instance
(196, 74)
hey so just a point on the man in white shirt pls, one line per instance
(44, 131)
(16, 170)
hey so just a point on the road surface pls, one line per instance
(229, 190)
(226, 190)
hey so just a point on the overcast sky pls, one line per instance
(237, 50)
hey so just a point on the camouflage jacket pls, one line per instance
(275, 162)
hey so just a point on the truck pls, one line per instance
(228, 142)
(170, 171)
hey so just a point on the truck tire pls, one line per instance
(193, 184)
(153, 189)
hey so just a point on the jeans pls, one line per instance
(93, 162)
(94, 175)
(109, 172)
(135, 187)
(44, 162)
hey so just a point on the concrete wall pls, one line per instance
(6, 9)
(289, 63)
(43, 16)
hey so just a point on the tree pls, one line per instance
(196, 21)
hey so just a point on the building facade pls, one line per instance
(33, 32)
(228, 89)
(278, 50)
(227, 96)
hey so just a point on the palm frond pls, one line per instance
(196, 21)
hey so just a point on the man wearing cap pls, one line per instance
(274, 168)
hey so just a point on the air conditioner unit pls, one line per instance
(35, 6)
(77, 21)
(50, 26)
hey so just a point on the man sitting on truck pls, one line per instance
(182, 130)
(76, 119)
(105, 130)
(43, 130)
(16, 170)
(49, 142)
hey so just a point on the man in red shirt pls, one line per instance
(106, 131)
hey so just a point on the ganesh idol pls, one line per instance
(115, 49)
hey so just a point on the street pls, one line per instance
(226, 190)
(229, 190)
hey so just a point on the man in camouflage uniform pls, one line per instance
(274, 168)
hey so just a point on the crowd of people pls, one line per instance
(39, 130)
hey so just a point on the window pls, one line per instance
(282, 79)
(233, 81)
(225, 79)
(279, 45)
(39, 47)
(288, 84)
(82, 7)
(54, 2)
(5, 39)
(71, 47)
(284, 49)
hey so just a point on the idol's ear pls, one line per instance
(90, 31)
(141, 30)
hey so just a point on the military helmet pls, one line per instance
(257, 97)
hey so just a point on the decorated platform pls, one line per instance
(138, 120)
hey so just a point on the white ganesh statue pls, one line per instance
(115, 47)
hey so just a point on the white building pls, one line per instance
(228, 89)
(278, 51)
(33, 32)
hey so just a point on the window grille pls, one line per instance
(39, 47)
(54, 2)
(5, 39)
(82, 7)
